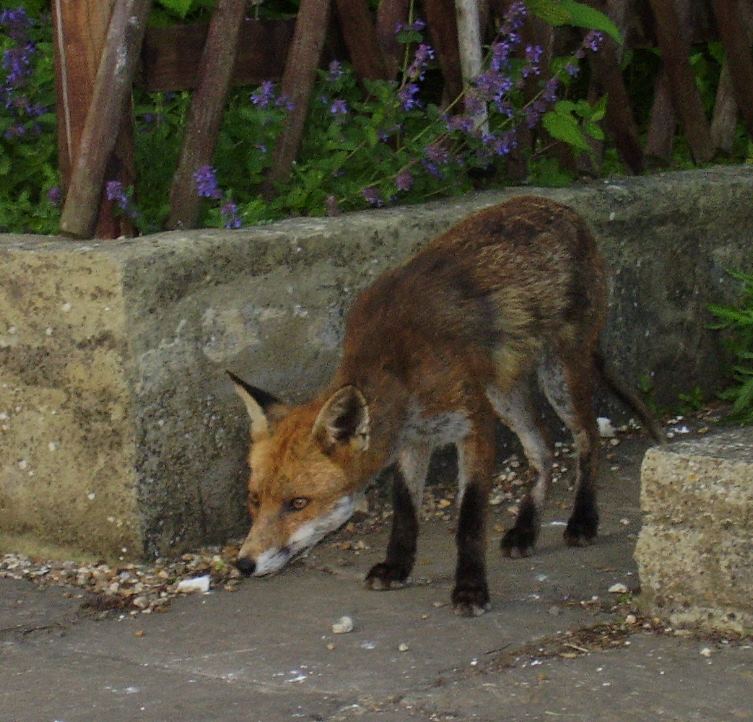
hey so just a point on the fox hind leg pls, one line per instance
(567, 383)
(517, 410)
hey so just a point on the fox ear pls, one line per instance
(262, 407)
(344, 419)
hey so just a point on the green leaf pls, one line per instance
(564, 127)
(179, 7)
(584, 16)
(571, 12)
(550, 11)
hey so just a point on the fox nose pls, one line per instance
(245, 566)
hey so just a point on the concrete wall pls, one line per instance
(119, 433)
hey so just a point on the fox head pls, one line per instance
(306, 467)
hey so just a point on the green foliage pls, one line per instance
(365, 143)
(575, 122)
(691, 401)
(28, 149)
(738, 322)
(570, 12)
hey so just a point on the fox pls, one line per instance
(434, 352)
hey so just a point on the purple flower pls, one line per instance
(493, 85)
(416, 70)
(372, 196)
(404, 180)
(593, 40)
(230, 216)
(115, 192)
(335, 71)
(407, 96)
(551, 90)
(338, 107)
(416, 26)
(206, 182)
(463, 123)
(533, 60)
(572, 69)
(503, 144)
(533, 115)
(16, 24)
(435, 156)
(515, 17)
(264, 95)
(55, 195)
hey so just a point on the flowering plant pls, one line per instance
(28, 177)
(367, 143)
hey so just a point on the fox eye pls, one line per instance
(300, 502)
(253, 499)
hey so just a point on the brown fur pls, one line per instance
(434, 350)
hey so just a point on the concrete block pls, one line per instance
(695, 550)
(121, 436)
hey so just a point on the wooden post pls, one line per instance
(608, 76)
(207, 107)
(686, 100)
(79, 31)
(469, 43)
(360, 38)
(298, 84)
(389, 14)
(737, 45)
(443, 31)
(112, 91)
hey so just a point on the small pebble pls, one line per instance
(630, 619)
(194, 584)
(705, 652)
(618, 589)
(402, 647)
(342, 626)
(330, 646)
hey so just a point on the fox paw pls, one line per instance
(518, 542)
(581, 530)
(470, 600)
(385, 576)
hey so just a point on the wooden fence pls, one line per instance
(104, 46)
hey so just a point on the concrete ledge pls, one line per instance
(119, 433)
(695, 550)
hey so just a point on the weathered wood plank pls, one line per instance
(80, 29)
(607, 75)
(686, 99)
(739, 61)
(298, 84)
(359, 33)
(724, 122)
(443, 33)
(206, 111)
(389, 14)
(110, 98)
(469, 45)
(170, 56)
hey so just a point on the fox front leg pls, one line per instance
(407, 490)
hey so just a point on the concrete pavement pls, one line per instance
(556, 644)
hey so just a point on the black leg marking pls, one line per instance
(401, 549)
(470, 596)
(520, 540)
(584, 522)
